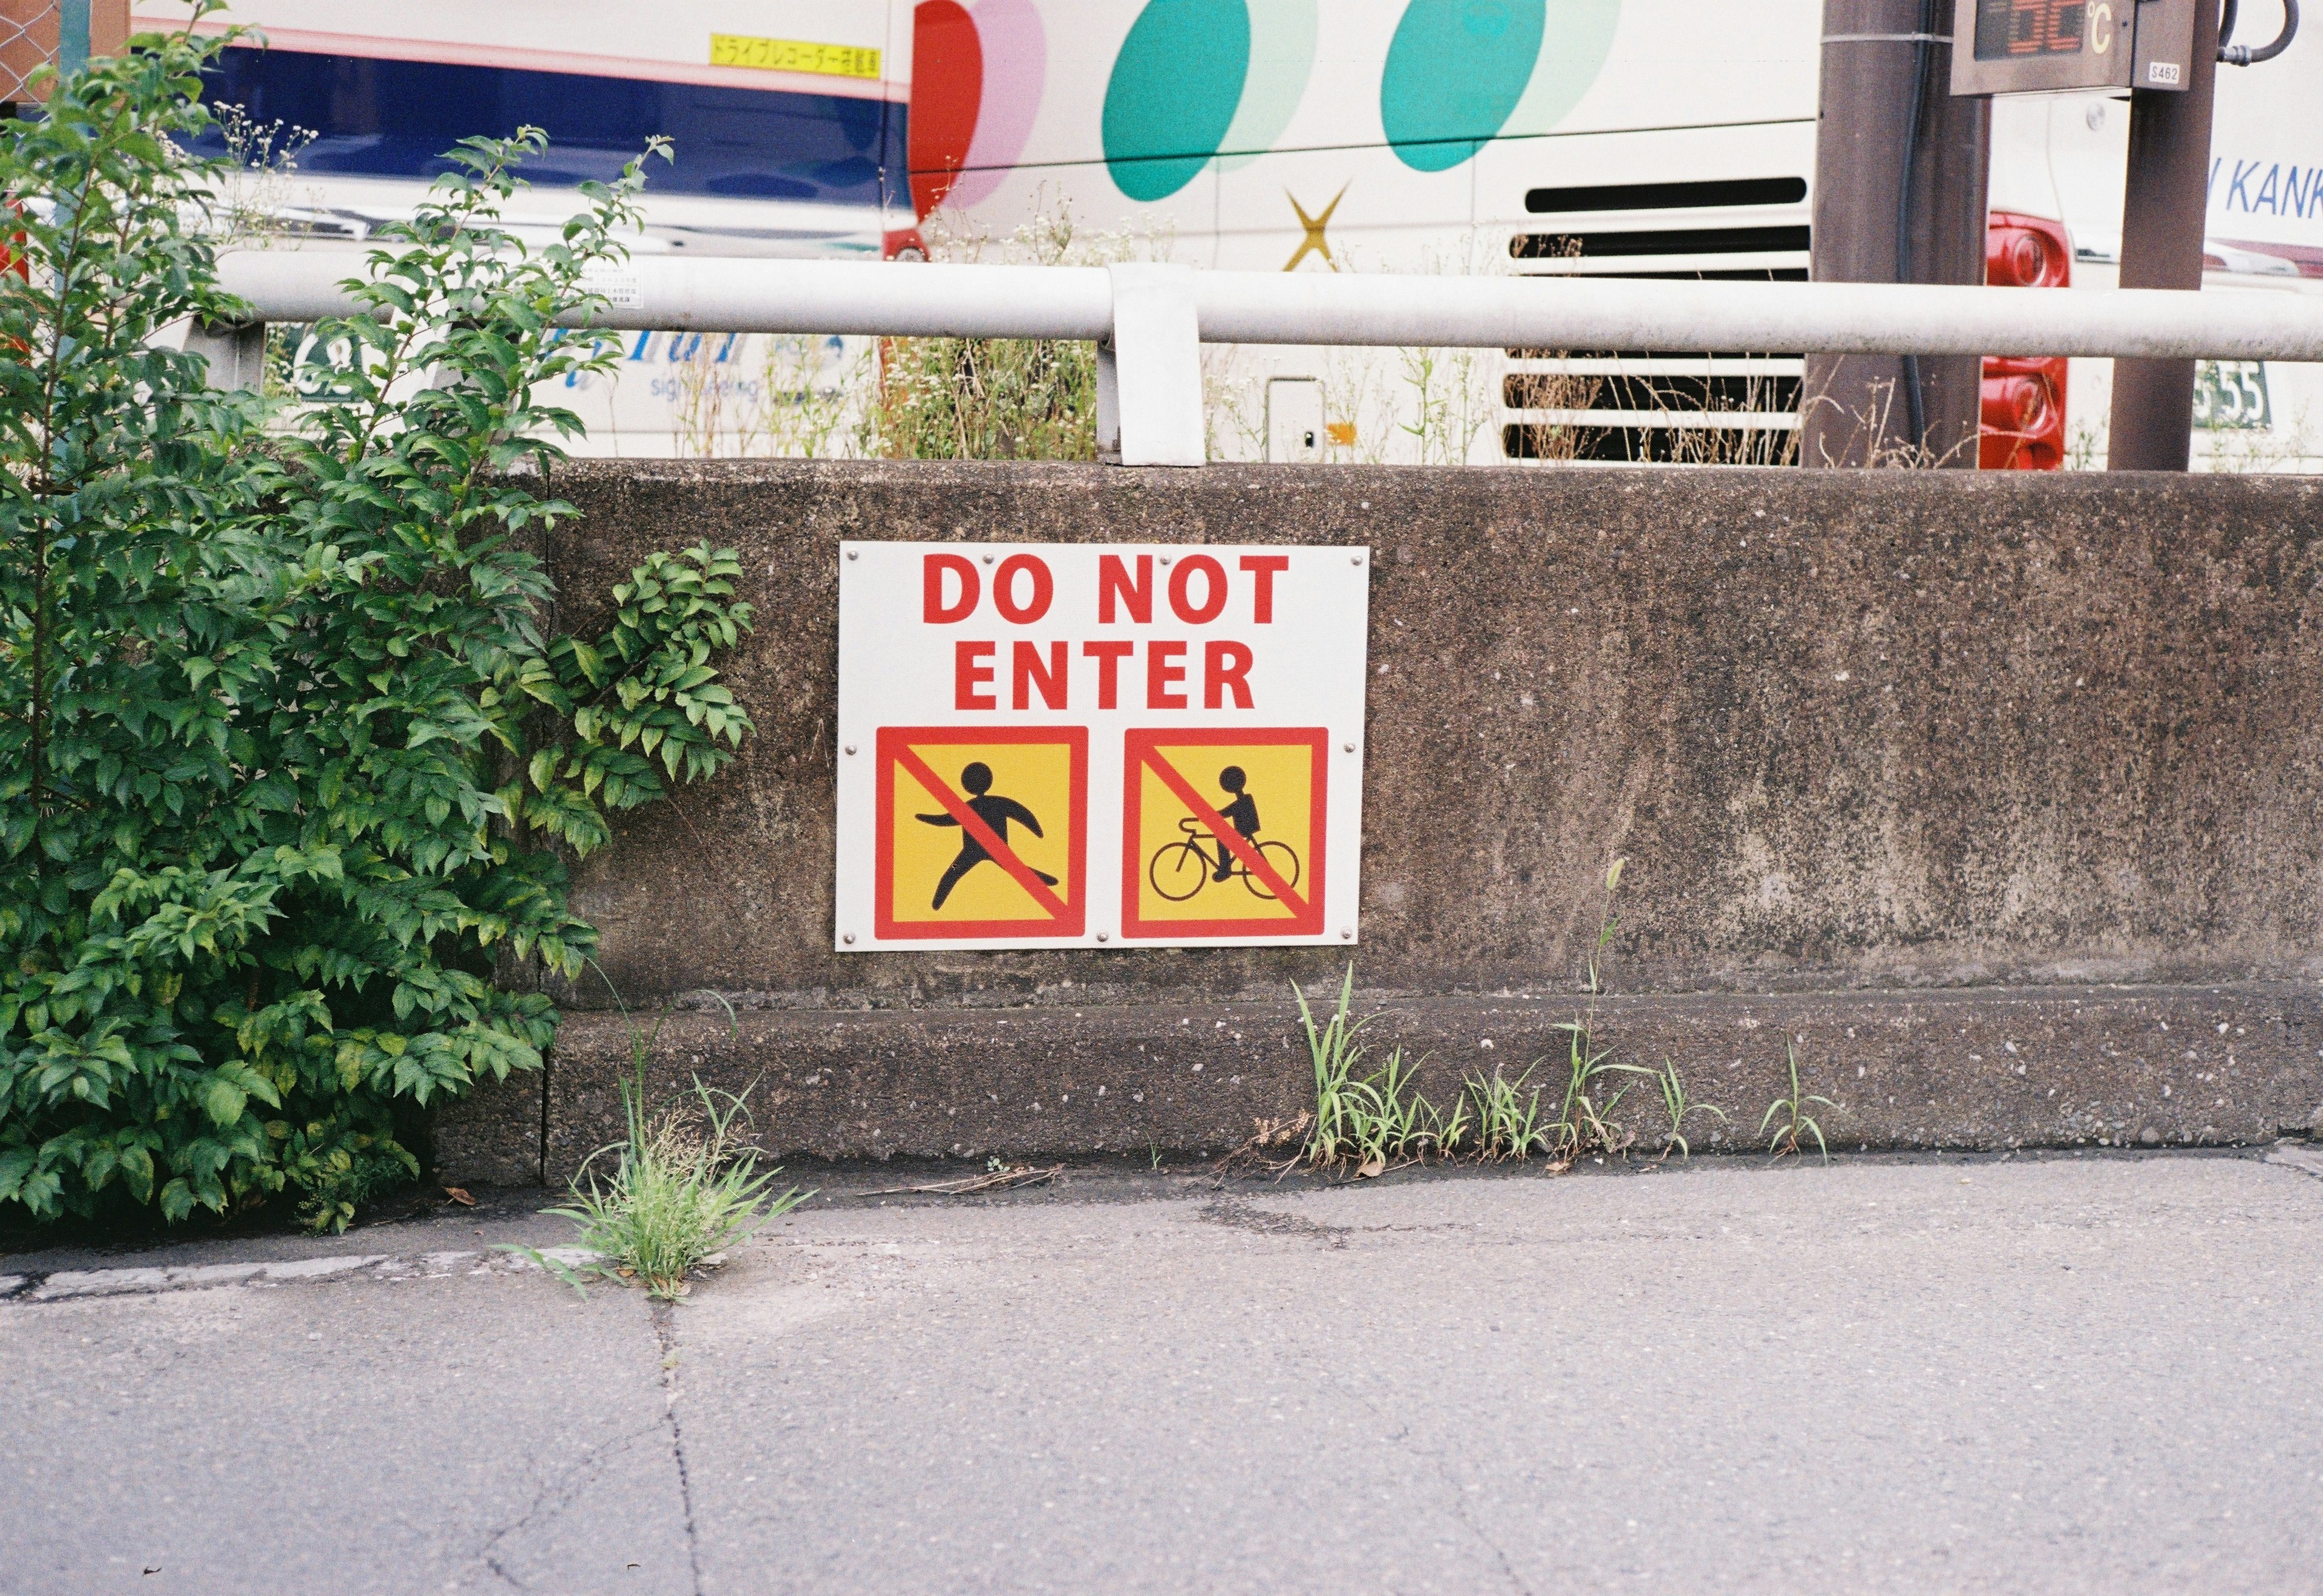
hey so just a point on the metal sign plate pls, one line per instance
(1045, 745)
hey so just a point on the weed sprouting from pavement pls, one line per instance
(1795, 1118)
(684, 1185)
(1367, 1120)
(1390, 1120)
(1582, 1126)
(1335, 1051)
(1377, 1120)
(1678, 1106)
(1507, 1118)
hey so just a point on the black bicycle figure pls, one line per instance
(995, 812)
(1177, 870)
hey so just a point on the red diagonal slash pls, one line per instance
(973, 824)
(1242, 849)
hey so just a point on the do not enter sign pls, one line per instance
(1093, 745)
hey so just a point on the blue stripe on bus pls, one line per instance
(395, 119)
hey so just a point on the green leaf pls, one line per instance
(223, 1101)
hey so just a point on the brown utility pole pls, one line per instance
(2166, 205)
(1899, 197)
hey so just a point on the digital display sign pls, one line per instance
(2014, 29)
(2046, 46)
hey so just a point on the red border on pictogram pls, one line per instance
(1066, 917)
(1141, 748)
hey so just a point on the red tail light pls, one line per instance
(2023, 399)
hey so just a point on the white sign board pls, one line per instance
(1082, 745)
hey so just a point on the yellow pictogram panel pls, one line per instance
(982, 833)
(1223, 832)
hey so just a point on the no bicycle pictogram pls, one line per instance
(1223, 832)
(982, 831)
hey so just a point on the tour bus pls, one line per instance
(1662, 138)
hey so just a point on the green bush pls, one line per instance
(289, 760)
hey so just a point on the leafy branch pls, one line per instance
(289, 759)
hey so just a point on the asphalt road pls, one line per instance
(2093, 1374)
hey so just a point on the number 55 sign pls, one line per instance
(1099, 746)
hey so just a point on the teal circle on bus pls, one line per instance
(1173, 92)
(1455, 71)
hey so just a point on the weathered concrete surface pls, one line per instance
(1978, 1068)
(360, 1437)
(2095, 1374)
(1851, 729)
(1855, 733)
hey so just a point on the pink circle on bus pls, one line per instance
(1015, 70)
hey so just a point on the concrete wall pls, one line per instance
(1860, 735)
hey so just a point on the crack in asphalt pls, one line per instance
(2307, 1161)
(1237, 1214)
(556, 1495)
(665, 1324)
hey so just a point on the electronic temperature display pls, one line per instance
(2008, 28)
(2041, 46)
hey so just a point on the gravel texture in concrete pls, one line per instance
(2055, 1374)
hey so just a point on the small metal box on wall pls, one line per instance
(2042, 46)
(1294, 419)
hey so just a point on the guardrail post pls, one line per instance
(1149, 373)
(237, 355)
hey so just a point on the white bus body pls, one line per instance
(1663, 137)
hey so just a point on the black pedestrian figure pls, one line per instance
(995, 812)
(1242, 814)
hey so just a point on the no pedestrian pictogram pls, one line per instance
(1223, 831)
(982, 831)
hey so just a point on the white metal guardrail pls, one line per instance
(1149, 321)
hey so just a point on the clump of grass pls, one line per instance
(1367, 1120)
(684, 1185)
(1794, 1115)
(1507, 1118)
(1373, 1121)
(1583, 1126)
(1335, 1049)
(1393, 1121)
(1679, 1106)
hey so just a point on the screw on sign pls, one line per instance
(982, 832)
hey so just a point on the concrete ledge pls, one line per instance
(1979, 1067)
(491, 1136)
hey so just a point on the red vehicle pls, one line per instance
(2023, 395)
